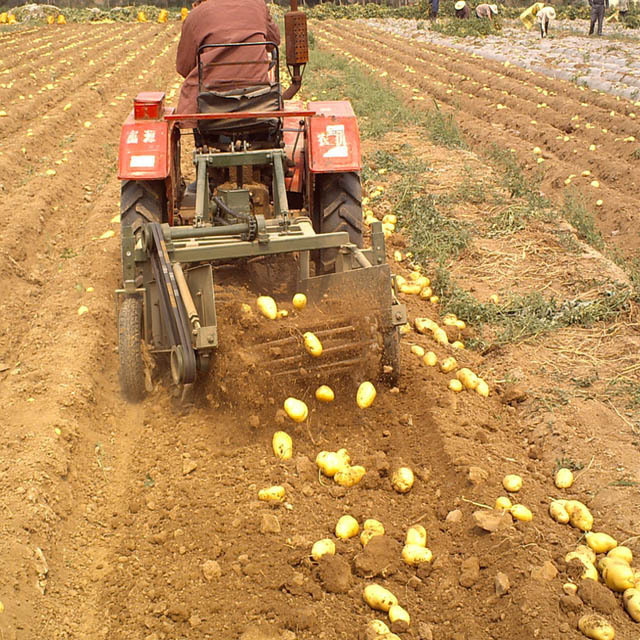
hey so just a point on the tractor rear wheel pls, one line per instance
(132, 371)
(142, 201)
(338, 198)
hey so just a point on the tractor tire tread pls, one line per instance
(132, 368)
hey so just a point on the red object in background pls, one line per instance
(334, 138)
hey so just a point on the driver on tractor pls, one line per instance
(224, 22)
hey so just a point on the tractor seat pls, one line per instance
(256, 98)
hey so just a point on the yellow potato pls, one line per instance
(312, 344)
(430, 359)
(570, 589)
(468, 378)
(457, 345)
(416, 276)
(520, 512)
(461, 324)
(282, 445)
(367, 534)
(600, 542)
(579, 515)
(440, 335)
(410, 288)
(324, 547)
(347, 527)
(417, 350)
(267, 307)
(426, 293)
(397, 613)
(325, 393)
(272, 494)
(584, 552)
(296, 409)
(377, 597)
(365, 395)
(448, 364)
(415, 554)
(424, 325)
(503, 504)
(483, 388)
(344, 457)
(299, 301)
(621, 553)
(402, 479)
(377, 627)
(370, 524)
(455, 385)
(558, 512)
(631, 600)
(564, 478)
(512, 483)
(596, 627)
(416, 535)
(618, 576)
(350, 476)
(329, 463)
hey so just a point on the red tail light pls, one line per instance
(148, 105)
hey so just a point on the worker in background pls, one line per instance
(486, 11)
(435, 6)
(544, 18)
(623, 8)
(597, 14)
(223, 22)
(462, 9)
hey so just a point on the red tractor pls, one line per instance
(273, 177)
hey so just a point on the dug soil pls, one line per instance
(142, 521)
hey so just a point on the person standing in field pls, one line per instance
(486, 11)
(623, 8)
(597, 14)
(462, 9)
(544, 18)
(435, 6)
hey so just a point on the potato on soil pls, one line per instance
(296, 409)
(329, 463)
(468, 378)
(347, 527)
(520, 512)
(350, 476)
(504, 504)
(558, 511)
(600, 542)
(416, 554)
(272, 494)
(618, 576)
(398, 614)
(483, 388)
(631, 600)
(564, 478)
(455, 385)
(377, 597)
(282, 445)
(417, 350)
(448, 364)
(312, 344)
(596, 627)
(366, 395)
(371, 524)
(324, 547)
(430, 359)
(621, 553)
(579, 515)
(267, 307)
(424, 325)
(378, 627)
(299, 301)
(402, 479)
(367, 535)
(512, 483)
(416, 535)
(325, 393)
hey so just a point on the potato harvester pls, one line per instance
(274, 177)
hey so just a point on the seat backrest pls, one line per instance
(257, 98)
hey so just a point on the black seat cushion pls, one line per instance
(261, 98)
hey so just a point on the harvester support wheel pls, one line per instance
(132, 369)
(338, 198)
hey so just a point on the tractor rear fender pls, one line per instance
(334, 139)
(146, 148)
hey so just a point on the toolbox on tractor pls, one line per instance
(273, 177)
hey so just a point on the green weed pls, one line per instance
(575, 212)
(443, 128)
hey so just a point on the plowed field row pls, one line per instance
(520, 112)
